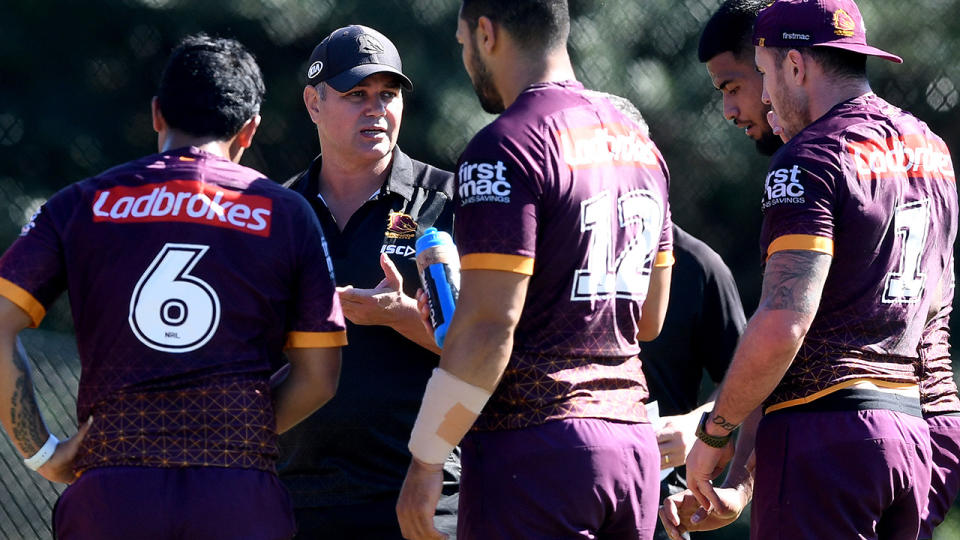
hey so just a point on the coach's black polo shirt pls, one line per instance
(354, 449)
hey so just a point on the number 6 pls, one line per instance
(171, 310)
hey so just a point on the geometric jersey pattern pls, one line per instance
(538, 388)
(218, 425)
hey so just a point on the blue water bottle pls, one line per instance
(439, 265)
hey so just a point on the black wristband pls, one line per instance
(708, 439)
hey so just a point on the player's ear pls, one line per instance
(244, 137)
(797, 66)
(159, 123)
(486, 34)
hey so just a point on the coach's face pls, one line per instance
(782, 92)
(361, 124)
(741, 87)
(480, 76)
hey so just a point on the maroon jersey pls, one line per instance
(938, 390)
(187, 274)
(872, 186)
(564, 188)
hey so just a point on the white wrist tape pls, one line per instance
(44, 454)
(450, 407)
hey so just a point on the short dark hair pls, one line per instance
(537, 25)
(835, 62)
(730, 29)
(210, 87)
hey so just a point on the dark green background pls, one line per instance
(76, 80)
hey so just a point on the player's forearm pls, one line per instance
(408, 324)
(477, 351)
(19, 412)
(310, 383)
(740, 472)
(766, 350)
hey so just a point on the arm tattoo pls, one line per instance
(723, 423)
(793, 280)
(29, 432)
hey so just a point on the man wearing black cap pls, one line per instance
(344, 468)
(860, 217)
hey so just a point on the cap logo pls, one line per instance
(763, 42)
(315, 69)
(843, 24)
(369, 44)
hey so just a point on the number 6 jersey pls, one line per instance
(872, 186)
(566, 189)
(187, 275)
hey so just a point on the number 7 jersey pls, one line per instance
(872, 186)
(566, 189)
(187, 275)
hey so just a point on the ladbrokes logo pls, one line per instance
(913, 156)
(606, 145)
(184, 201)
(783, 187)
(483, 182)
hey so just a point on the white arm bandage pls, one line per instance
(450, 407)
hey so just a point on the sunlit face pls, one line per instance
(790, 104)
(741, 87)
(361, 124)
(480, 76)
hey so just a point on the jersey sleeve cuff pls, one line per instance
(315, 340)
(518, 264)
(803, 242)
(24, 300)
(664, 259)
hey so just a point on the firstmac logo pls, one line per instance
(783, 186)
(483, 182)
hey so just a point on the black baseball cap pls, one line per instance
(352, 53)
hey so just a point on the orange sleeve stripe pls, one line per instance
(312, 340)
(24, 300)
(805, 242)
(517, 264)
(664, 258)
(832, 389)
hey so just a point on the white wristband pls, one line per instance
(450, 407)
(44, 454)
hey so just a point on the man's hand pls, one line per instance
(703, 465)
(381, 305)
(676, 438)
(682, 513)
(60, 466)
(418, 501)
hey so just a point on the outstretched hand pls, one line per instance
(60, 466)
(381, 305)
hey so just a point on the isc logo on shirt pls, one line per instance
(783, 186)
(483, 182)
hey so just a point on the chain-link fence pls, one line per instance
(76, 80)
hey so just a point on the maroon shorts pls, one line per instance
(841, 474)
(146, 503)
(945, 478)
(573, 478)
